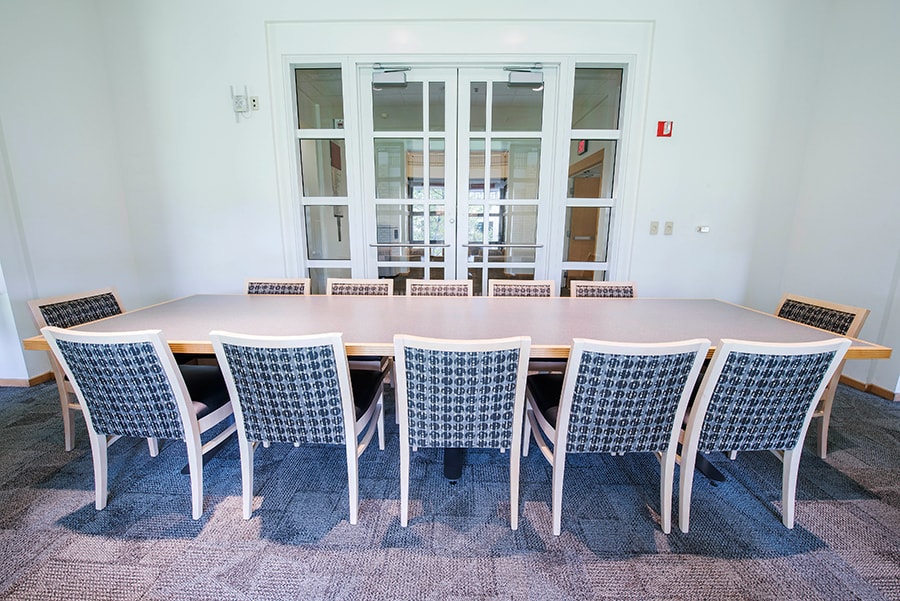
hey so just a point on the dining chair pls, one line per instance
(65, 312)
(300, 390)
(359, 287)
(521, 288)
(595, 289)
(129, 384)
(461, 394)
(840, 319)
(758, 396)
(438, 287)
(279, 286)
(614, 398)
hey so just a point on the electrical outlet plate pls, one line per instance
(667, 231)
(654, 228)
(254, 103)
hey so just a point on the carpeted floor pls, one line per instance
(299, 544)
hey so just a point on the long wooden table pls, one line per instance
(369, 323)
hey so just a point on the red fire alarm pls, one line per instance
(664, 129)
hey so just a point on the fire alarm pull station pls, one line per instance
(664, 129)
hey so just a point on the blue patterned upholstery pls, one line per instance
(361, 288)
(74, 312)
(125, 389)
(612, 291)
(825, 318)
(453, 289)
(460, 399)
(288, 394)
(621, 403)
(520, 290)
(262, 287)
(760, 401)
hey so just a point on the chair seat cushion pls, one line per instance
(206, 386)
(546, 390)
(366, 384)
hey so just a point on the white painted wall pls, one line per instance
(182, 199)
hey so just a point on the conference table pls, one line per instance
(368, 323)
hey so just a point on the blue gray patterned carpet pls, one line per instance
(299, 544)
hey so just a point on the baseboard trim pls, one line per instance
(870, 388)
(22, 383)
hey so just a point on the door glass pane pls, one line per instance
(478, 106)
(476, 169)
(591, 168)
(326, 232)
(598, 93)
(398, 108)
(436, 173)
(320, 100)
(399, 275)
(436, 103)
(587, 234)
(516, 168)
(319, 277)
(399, 224)
(573, 275)
(510, 273)
(322, 168)
(516, 108)
(437, 273)
(398, 167)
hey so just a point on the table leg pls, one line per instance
(453, 463)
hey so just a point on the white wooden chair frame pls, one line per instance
(523, 344)
(67, 400)
(425, 285)
(305, 281)
(193, 428)
(494, 284)
(353, 427)
(790, 458)
(551, 439)
(823, 410)
(576, 285)
(379, 282)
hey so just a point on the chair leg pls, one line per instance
(246, 449)
(667, 477)
(514, 459)
(153, 445)
(559, 472)
(404, 484)
(380, 423)
(686, 484)
(526, 434)
(789, 474)
(99, 447)
(68, 419)
(353, 480)
(195, 465)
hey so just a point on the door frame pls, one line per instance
(566, 42)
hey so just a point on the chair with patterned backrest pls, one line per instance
(592, 289)
(614, 398)
(521, 288)
(758, 396)
(438, 287)
(461, 394)
(65, 312)
(129, 384)
(279, 286)
(840, 319)
(359, 287)
(299, 389)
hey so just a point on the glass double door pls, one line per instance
(456, 175)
